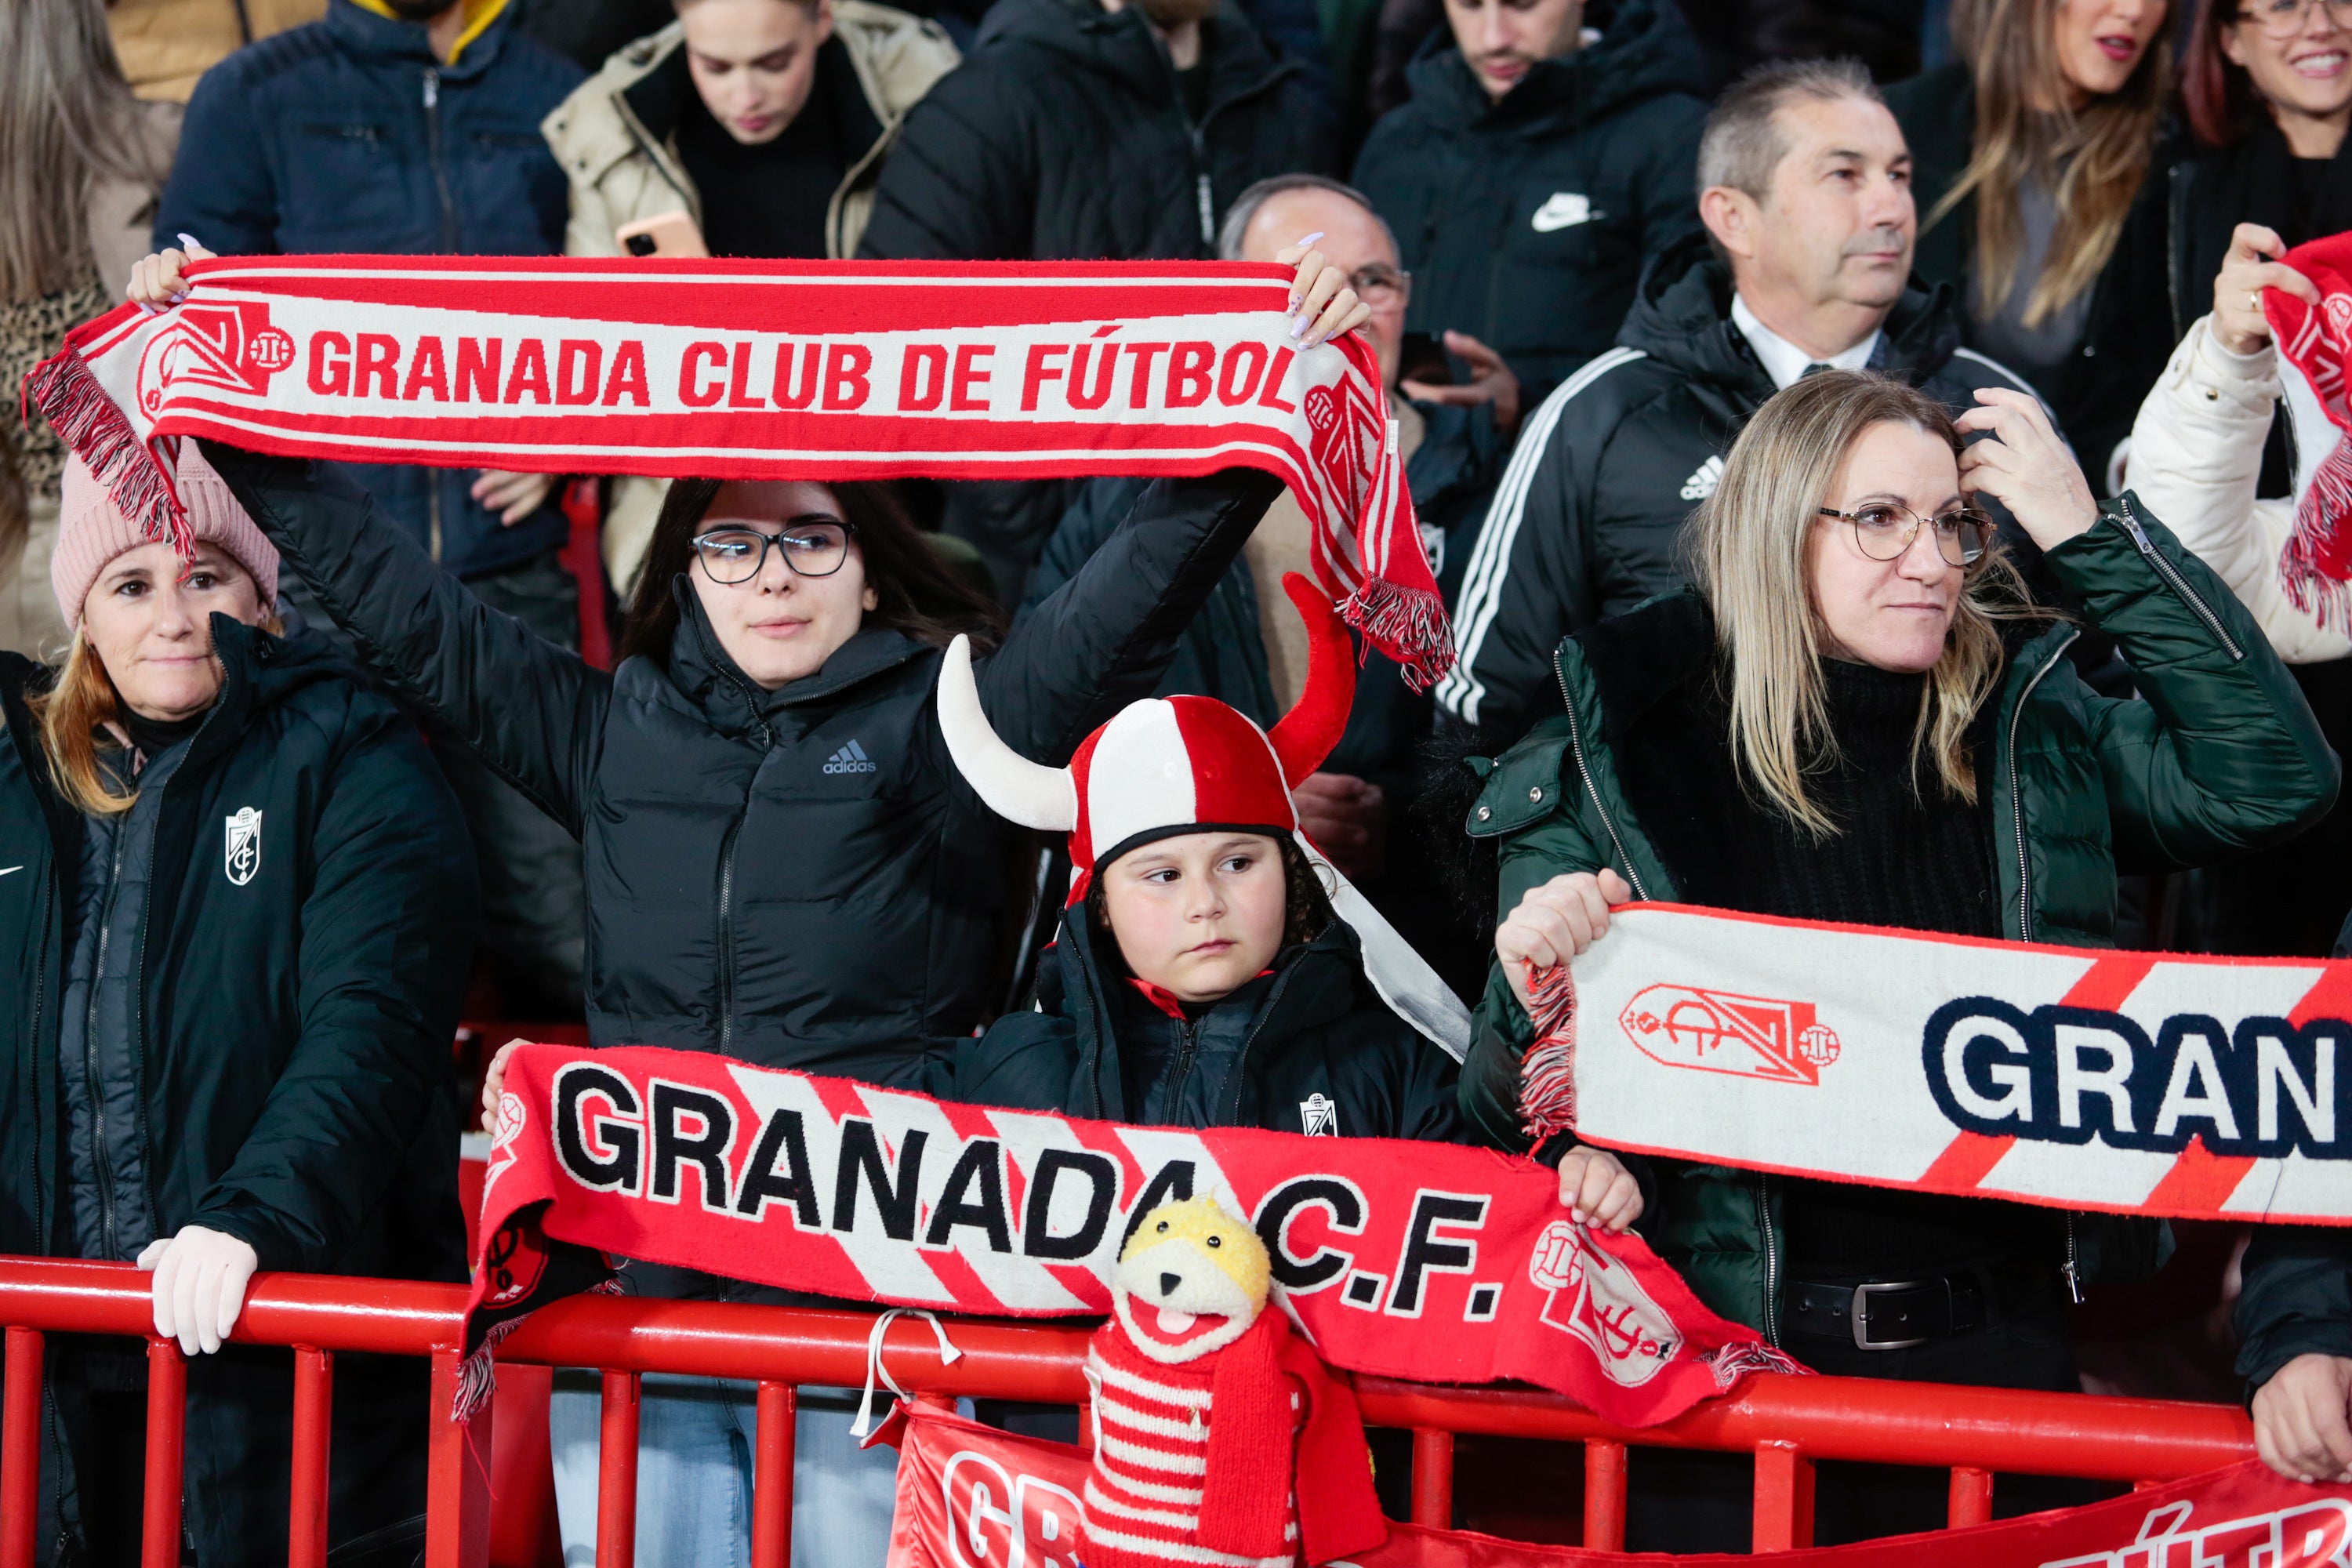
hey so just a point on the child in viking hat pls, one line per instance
(1213, 968)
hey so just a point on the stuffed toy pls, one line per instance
(1220, 1437)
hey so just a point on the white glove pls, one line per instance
(200, 1279)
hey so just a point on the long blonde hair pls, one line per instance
(91, 772)
(1751, 546)
(2093, 159)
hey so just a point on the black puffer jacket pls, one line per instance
(1062, 138)
(283, 1055)
(1307, 1047)
(796, 878)
(1525, 223)
(2097, 389)
(1588, 517)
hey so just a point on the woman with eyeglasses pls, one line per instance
(1857, 717)
(782, 864)
(2267, 88)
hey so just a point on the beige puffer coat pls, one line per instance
(620, 172)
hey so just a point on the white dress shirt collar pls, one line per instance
(1783, 361)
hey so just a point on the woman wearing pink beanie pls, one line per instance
(239, 894)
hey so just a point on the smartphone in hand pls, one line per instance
(663, 234)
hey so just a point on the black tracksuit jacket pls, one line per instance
(1588, 519)
(287, 1056)
(1307, 1047)
(1525, 223)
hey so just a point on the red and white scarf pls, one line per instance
(765, 370)
(2316, 567)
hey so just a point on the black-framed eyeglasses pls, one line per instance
(811, 547)
(1380, 284)
(2285, 18)
(1883, 530)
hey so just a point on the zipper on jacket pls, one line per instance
(2017, 794)
(1241, 1057)
(1771, 1260)
(2129, 517)
(51, 925)
(2176, 199)
(726, 926)
(1576, 744)
(91, 1085)
(1188, 1050)
(2072, 1270)
(433, 151)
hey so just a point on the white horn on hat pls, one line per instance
(1015, 787)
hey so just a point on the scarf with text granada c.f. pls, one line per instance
(765, 370)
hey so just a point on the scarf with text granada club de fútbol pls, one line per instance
(765, 370)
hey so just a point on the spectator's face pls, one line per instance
(1836, 224)
(2100, 43)
(149, 619)
(777, 624)
(2300, 61)
(1353, 238)
(1890, 613)
(1199, 915)
(1503, 40)
(754, 62)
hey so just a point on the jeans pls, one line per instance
(696, 1437)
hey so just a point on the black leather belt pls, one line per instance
(1897, 1314)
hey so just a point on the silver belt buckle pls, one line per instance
(1860, 1314)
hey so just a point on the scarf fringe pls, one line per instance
(1548, 1072)
(85, 417)
(1408, 625)
(2315, 566)
(477, 1375)
(1731, 1363)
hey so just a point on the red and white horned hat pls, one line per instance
(1172, 765)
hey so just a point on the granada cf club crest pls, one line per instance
(1715, 1031)
(1597, 1298)
(232, 347)
(243, 830)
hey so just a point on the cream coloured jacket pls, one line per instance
(2195, 456)
(620, 172)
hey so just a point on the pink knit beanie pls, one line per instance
(92, 531)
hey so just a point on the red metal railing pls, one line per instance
(1786, 1423)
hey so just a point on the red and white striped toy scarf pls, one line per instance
(765, 370)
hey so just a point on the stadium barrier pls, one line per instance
(1787, 1423)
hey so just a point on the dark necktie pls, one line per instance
(1813, 369)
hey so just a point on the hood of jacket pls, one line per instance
(1682, 318)
(1122, 46)
(715, 687)
(1647, 50)
(1313, 984)
(630, 108)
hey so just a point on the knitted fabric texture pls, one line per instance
(92, 531)
(1253, 1456)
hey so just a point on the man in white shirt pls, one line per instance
(1805, 190)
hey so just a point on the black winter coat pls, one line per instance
(2095, 391)
(1062, 138)
(347, 137)
(291, 1034)
(1589, 515)
(1525, 223)
(798, 878)
(1308, 1049)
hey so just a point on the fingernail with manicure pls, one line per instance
(189, 240)
(147, 309)
(1297, 326)
(1310, 239)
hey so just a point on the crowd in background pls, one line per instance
(1638, 274)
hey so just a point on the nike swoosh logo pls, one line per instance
(5, 871)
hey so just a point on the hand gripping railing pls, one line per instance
(1787, 1423)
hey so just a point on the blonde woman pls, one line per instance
(1854, 718)
(236, 907)
(2033, 154)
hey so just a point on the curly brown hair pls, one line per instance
(1306, 908)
